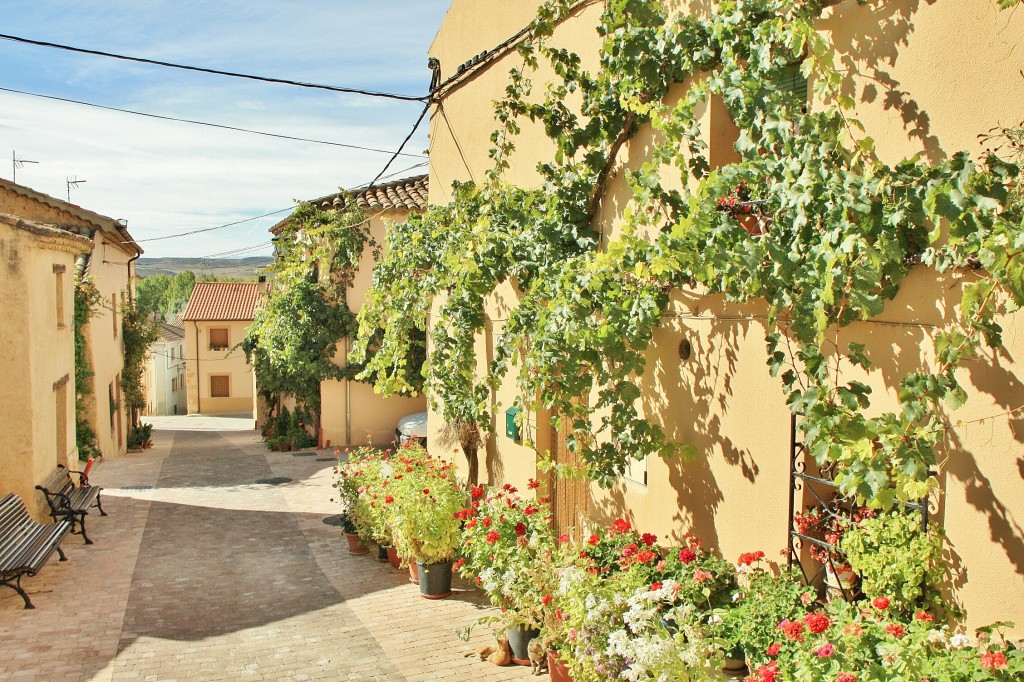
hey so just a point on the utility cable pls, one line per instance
(217, 72)
(211, 229)
(205, 123)
(400, 147)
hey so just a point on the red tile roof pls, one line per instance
(409, 194)
(223, 301)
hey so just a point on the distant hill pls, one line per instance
(245, 268)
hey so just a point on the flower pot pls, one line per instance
(414, 573)
(735, 665)
(435, 580)
(841, 584)
(393, 558)
(557, 669)
(519, 641)
(356, 544)
(382, 553)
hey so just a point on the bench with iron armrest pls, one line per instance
(25, 544)
(70, 501)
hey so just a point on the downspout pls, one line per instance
(199, 383)
(348, 400)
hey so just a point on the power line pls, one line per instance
(211, 229)
(204, 123)
(401, 146)
(217, 72)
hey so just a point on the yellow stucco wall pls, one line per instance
(112, 274)
(350, 412)
(928, 78)
(37, 378)
(208, 362)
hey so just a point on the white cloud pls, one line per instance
(166, 177)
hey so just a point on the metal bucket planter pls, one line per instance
(519, 641)
(435, 580)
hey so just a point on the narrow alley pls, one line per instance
(215, 564)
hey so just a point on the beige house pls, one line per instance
(164, 374)
(949, 75)
(218, 380)
(37, 265)
(110, 265)
(351, 413)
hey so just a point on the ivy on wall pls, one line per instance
(87, 305)
(843, 230)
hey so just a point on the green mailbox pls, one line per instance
(512, 423)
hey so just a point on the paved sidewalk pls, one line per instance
(211, 566)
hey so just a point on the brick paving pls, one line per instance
(200, 572)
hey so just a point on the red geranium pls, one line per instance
(620, 526)
(817, 622)
(748, 558)
(894, 630)
(520, 529)
(687, 555)
(881, 603)
(773, 649)
(492, 537)
(993, 659)
(649, 539)
(794, 630)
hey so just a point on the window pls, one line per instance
(174, 383)
(172, 352)
(58, 273)
(220, 386)
(218, 339)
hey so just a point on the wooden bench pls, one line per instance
(70, 501)
(25, 544)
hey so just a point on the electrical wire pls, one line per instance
(211, 229)
(205, 123)
(400, 147)
(217, 72)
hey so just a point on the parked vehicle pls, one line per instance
(412, 427)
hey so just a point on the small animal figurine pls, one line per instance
(538, 656)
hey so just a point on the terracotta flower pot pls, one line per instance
(557, 669)
(393, 558)
(414, 573)
(356, 544)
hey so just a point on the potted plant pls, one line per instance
(422, 507)
(895, 557)
(763, 599)
(505, 540)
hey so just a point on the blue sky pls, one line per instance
(166, 177)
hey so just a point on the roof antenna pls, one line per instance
(17, 163)
(73, 181)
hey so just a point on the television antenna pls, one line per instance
(73, 181)
(17, 163)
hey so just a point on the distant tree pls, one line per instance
(169, 294)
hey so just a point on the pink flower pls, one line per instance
(825, 650)
(846, 677)
(881, 603)
(700, 576)
(993, 659)
(773, 649)
(894, 630)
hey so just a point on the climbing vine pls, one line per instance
(87, 305)
(293, 338)
(842, 229)
(139, 331)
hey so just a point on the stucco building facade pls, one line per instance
(218, 379)
(927, 80)
(164, 377)
(37, 383)
(110, 266)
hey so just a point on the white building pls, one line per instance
(165, 370)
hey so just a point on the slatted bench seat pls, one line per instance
(70, 501)
(25, 544)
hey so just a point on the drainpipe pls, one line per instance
(348, 401)
(199, 383)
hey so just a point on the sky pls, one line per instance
(166, 177)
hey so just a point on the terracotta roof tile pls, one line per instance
(408, 194)
(223, 301)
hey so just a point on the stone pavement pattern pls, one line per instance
(201, 572)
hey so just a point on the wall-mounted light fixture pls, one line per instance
(685, 350)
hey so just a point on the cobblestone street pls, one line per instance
(215, 564)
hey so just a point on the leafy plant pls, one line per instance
(895, 558)
(87, 306)
(139, 331)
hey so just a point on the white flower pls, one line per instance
(959, 641)
(735, 597)
(937, 637)
(715, 619)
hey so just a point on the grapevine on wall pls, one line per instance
(842, 231)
